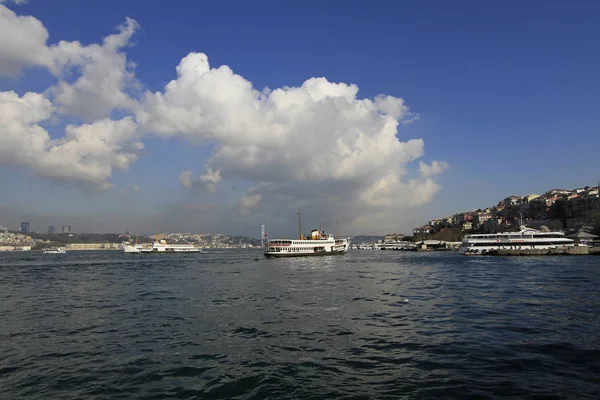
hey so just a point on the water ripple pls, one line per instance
(232, 325)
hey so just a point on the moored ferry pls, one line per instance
(526, 238)
(317, 244)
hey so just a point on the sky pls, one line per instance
(222, 116)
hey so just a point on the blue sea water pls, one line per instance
(230, 324)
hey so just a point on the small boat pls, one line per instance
(317, 244)
(54, 250)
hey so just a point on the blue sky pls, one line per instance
(507, 95)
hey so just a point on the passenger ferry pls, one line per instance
(54, 250)
(160, 246)
(318, 244)
(526, 238)
(132, 248)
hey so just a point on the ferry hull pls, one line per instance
(169, 251)
(317, 254)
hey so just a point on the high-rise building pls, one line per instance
(24, 227)
(66, 229)
(51, 229)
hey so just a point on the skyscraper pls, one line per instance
(51, 229)
(66, 229)
(24, 227)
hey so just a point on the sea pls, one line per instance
(231, 324)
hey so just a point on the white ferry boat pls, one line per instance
(526, 238)
(132, 248)
(160, 246)
(318, 244)
(54, 250)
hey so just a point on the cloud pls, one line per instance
(93, 80)
(22, 40)
(317, 134)
(317, 145)
(208, 181)
(429, 171)
(86, 155)
(186, 179)
(248, 202)
(105, 75)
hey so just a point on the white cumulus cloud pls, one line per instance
(86, 155)
(93, 79)
(105, 75)
(22, 42)
(318, 133)
(318, 144)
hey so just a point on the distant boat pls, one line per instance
(132, 248)
(318, 244)
(54, 250)
(129, 248)
(160, 246)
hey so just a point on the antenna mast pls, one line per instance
(299, 223)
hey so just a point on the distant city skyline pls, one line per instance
(548, 196)
(222, 117)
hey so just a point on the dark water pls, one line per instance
(233, 325)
